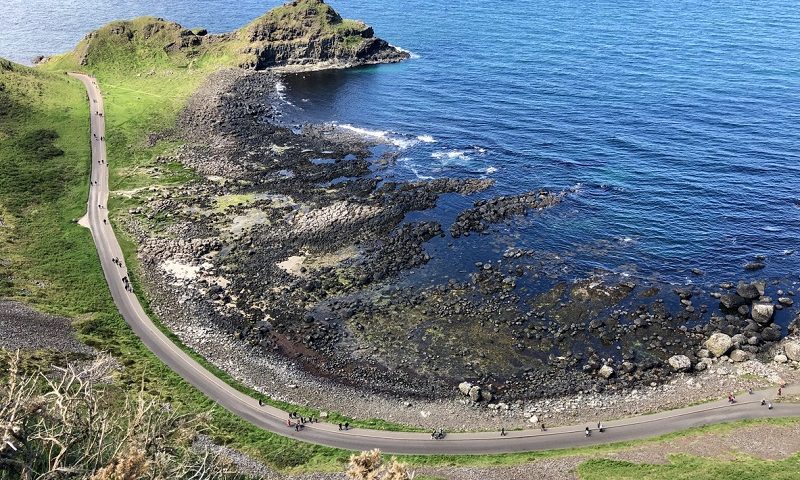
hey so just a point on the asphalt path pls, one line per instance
(275, 420)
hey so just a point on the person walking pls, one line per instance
(260, 403)
(780, 390)
(347, 425)
(503, 432)
(587, 432)
(544, 429)
(340, 426)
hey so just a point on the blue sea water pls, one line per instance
(675, 125)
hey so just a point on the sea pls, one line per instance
(673, 126)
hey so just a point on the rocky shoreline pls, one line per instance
(285, 265)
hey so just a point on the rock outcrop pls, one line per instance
(309, 32)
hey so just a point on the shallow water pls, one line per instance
(676, 123)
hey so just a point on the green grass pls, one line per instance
(692, 468)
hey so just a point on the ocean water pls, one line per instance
(674, 125)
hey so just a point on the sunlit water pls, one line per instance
(677, 124)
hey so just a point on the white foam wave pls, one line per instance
(280, 91)
(451, 155)
(411, 54)
(381, 135)
(491, 170)
(426, 139)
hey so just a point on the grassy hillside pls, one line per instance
(50, 262)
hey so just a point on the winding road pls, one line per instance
(275, 420)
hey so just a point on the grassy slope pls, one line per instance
(684, 467)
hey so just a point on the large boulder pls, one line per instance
(792, 350)
(718, 344)
(464, 387)
(475, 393)
(606, 371)
(762, 312)
(680, 363)
(750, 291)
(731, 301)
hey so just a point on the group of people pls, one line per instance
(600, 428)
(127, 283)
(438, 434)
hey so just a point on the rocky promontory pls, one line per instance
(300, 35)
(307, 34)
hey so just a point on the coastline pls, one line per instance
(193, 301)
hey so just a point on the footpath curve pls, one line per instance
(274, 420)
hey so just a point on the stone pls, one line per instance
(475, 393)
(718, 344)
(534, 419)
(739, 356)
(464, 387)
(731, 301)
(786, 301)
(749, 291)
(771, 334)
(781, 358)
(606, 371)
(703, 353)
(680, 363)
(486, 396)
(323, 414)
(792, 350)
(763, 312)
(700, 366)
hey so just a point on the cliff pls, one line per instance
(308, 32)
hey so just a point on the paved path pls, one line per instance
(275, 420)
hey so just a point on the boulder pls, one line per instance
(739, 356)
(680, 363)
(606, 371)
(771, 333)
(731, 301)
(700, 366)
(763, 312)
(792, 350)
(786, 301)
(464, 387)
(475, 393)
(781, 358)
(534, 419)
(718, 344)
(750, 291)
(486, 395)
